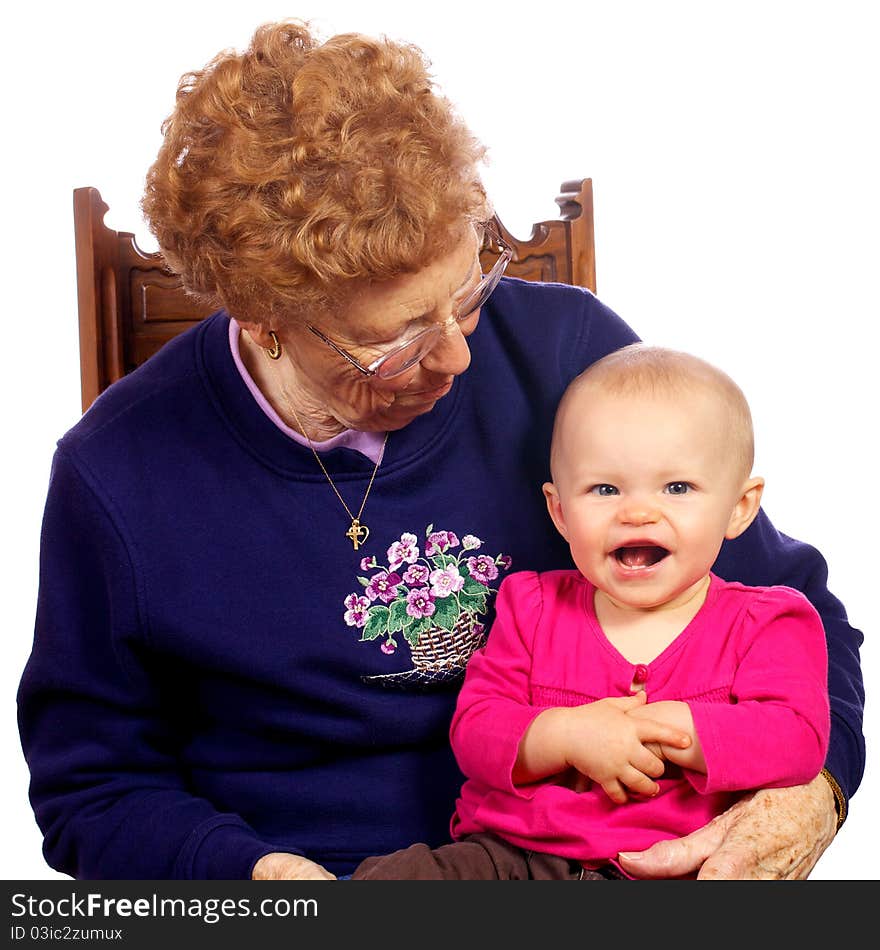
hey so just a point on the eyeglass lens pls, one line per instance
(417, 348)
(481, 293)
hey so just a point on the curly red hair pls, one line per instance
(293, 172)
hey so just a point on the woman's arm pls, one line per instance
(106, 787)
(773, 834)
(763, 556)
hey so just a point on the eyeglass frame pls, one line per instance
(494, 275)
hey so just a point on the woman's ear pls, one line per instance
(746, 509)
(554, 506)
(258, 333)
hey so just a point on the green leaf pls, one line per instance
(398, 617)
(474, 588)
(473, 603)
(364, 581)
(417, 628)
(447, 613)
(377, 623)
(429, 529)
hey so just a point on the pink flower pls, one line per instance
(405, 550)
(420, 602)
(389, 646)
(416, 574)
(356, 614)
(505, 560)
(384, 586)
(446, 582)
(470, 542)
(440, 541)
(482, 568)
(368, 563)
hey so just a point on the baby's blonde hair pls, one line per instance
(640, 369)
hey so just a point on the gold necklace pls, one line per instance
(357, 532)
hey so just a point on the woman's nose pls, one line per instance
(450, 355)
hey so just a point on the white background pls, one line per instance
(733, 150)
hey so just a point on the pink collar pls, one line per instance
(370, 444)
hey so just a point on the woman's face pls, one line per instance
(379, 318)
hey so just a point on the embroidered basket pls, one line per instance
(438, 649)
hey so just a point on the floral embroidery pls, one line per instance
(440, 541)
(356, 612)
(436, 603)
(384, 586)
(446, 581)
(482, 569)
(403, 551)
(419, 603)
(416, 574)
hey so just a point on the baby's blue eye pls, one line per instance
(604, 490)
(678, 488)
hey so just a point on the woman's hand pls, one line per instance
(279, 866)
(773, 834)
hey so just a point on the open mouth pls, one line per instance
(638, 557)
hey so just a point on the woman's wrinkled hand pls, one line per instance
(770, 835)
(279, 866)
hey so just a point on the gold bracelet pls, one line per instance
(839, 798)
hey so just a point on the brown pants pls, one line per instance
(480, 857)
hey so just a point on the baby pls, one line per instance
(630, 700)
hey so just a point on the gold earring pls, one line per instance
(273, 352)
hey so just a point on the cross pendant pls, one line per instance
(358, 533)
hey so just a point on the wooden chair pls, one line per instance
(130, 304)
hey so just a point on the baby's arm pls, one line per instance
(779, 707)
(600, 740)
(677, 715)
(774, 732)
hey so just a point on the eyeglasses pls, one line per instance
(414, 350)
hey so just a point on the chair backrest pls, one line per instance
(130, 304)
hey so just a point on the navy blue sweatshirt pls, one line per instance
(213, 677)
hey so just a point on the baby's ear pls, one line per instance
(746, 509)
(554, 506)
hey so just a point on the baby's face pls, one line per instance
(646, 488)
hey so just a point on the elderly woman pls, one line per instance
(269, 552)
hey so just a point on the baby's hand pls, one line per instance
(614, 749)
(581, 783)
(678, 715)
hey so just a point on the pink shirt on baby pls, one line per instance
(751, 665)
